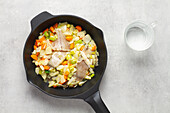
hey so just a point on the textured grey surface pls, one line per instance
(134, 82)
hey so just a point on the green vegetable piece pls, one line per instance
(80, 41)
(91, 57)
(73, 61)
(47, 71)
(40, 71)
(70, 75)
(92, 66)
(68, 57)
(92, 75)
(93, 53)
(46, 34)
(68, 25)
(72, 52)
(52, 38)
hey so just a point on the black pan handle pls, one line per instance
(97, 103)
(37, 20)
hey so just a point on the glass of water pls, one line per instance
(139, 36)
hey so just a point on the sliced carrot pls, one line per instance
(45, 30)
(37, 43)
(55, 85)
(42, 58)
(80, 38)
(37, 53)
(42, 39)
(71, 45)
(66, 73)
(35, 47)
(51, 34)
(44, 46)
(78, 28)
(93, 48)
(52, 29)
(34, 57)
(69, 38)
(65, 63)
(82, 47)
(56, 25)
(46, 67)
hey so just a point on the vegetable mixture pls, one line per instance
(65, 56)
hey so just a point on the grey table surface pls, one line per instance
(134, 82)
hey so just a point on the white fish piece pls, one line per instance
(87, 61)
(61, 44)
(57, 58)
(82, 68)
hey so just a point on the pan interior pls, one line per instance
(38, 81)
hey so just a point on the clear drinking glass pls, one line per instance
(139, 36)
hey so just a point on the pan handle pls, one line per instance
(37, 20)
(97, 103)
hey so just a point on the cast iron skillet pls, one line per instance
(89, 92)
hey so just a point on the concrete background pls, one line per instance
(134, 82)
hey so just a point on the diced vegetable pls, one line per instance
(42, 39)
(71, 45)
(93, 48)
(34, 57)
(37, 69)
(45, 30)
(92, 75)
(68, 25)
(82, 47)
(35, 47)
(65, 63)
(69, 38)
(87, 39)
(92, 66)
(46, 34)
(73, 61)
(56, 25)
(78, 28)
(47, 71)
(68, 57)
(52, 29)
(53, 73)
(52, 38)
(46, 67)
(44, 46)
(48, 50)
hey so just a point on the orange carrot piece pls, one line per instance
(45, 30)
(44, 46)
(56, 25)
(42, 58)
(37, 43)
(34, 57)
(66, 73)
(52, 29)
(82, 47)
(35, 47)
(54, 86)
(51, 34)
(93, 48)
(46, 67)
(78, 28)
(69, 38)
(37, 53)
(71, 45)
(42, 39)
(65, 63)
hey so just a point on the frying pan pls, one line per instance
(89, 92)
